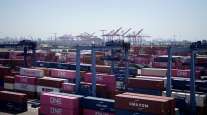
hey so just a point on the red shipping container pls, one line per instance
(25, 80)
(184, 73)
(95, 112)
(68, 87)
(156, 78)
(103, 69)
(62, 73)
(60, 101)
(161, 52)
(137, 82)
(9, 79)
(162, 65)
(108, 80)
(16, 55)
(68, 74)
(142, 60)
(51, 110)
(30, 95)
(40, 56)
(170, 99)
(13, 96)
(50, 82)
(142, 104)
(4, 71)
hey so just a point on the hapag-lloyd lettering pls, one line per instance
(55, 101)
(57, 111)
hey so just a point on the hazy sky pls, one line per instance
(186, 19)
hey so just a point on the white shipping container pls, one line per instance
(9, 86)
(158, 72)
(25, 87)
(31, 72)
(42, 89)
(120, 85)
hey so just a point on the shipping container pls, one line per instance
(157, 72)
(31, 72)
(99, 104)
(96, 112)
(146, 83)
(12, 102)
(143, 104)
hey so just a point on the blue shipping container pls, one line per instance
(41, 64)
(100, 104)
(85, 90)
(181, 84)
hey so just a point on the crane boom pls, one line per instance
(117, 31)
(139, 32)
(126, 32)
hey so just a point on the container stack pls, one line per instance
(68, 87)
(139, 91)
(48, 84)
(104, 79)
(26, 82)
